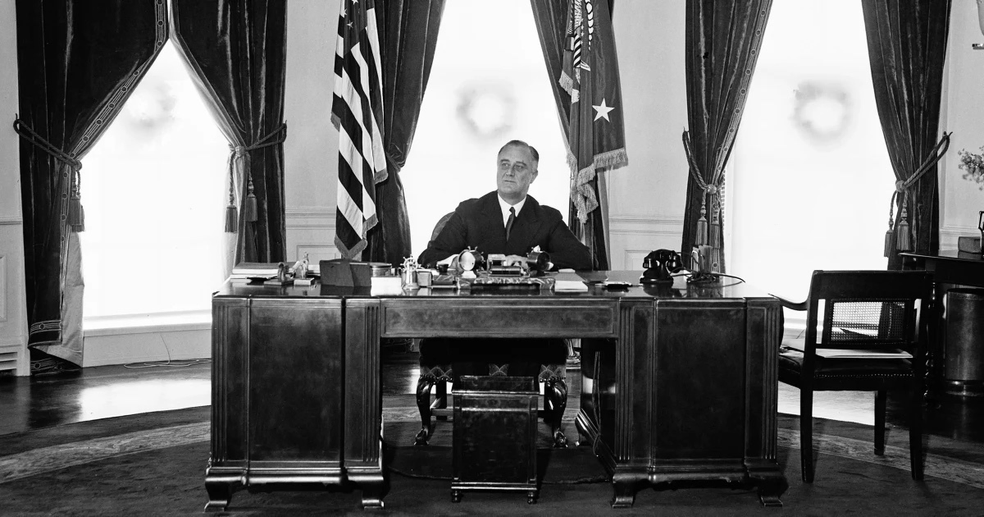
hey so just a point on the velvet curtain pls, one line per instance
(578, 46)
(78, 62)
(722, 46)
(236, 50)
(907, 50)
(407, 38)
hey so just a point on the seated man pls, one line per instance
(509, 222)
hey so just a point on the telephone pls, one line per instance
(660, 265)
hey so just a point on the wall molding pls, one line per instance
(641, 225)
(3, 288)
(11, 221)
(309, 218)
(949, 234)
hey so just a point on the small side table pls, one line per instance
(951, 268)
(494, 435)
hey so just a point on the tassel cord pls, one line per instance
(704, 233)
(76, 215)
(902, 187)
(237, 154)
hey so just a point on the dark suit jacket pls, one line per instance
(477, 224)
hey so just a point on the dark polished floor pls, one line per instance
(28, 403)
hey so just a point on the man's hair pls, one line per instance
(520, 143)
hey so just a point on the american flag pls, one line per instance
(357, 112)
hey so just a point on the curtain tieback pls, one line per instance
(236, 154)
(902, 187)
(76, 215)
(705, 234)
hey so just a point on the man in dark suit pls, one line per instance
(481, 223)
(510, 222)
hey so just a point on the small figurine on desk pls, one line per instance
(300, 268)
(300, 271)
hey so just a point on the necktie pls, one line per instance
(510, 221)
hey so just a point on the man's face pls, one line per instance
(516, 170)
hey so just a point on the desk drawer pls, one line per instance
(504, 318)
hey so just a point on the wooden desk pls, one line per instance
(691, 393)
(950, 269)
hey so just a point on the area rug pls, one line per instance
(153, 464)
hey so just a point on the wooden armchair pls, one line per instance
(865, 331)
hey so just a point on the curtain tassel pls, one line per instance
(714, 235)
(903, 243)
(232, 219)
(702, 225)
(249, 207)
(888, 242)
(76, 214)
(232, 215)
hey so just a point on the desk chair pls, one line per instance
(442, 360)
(857, 324)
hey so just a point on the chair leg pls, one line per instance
(555, 402)
(806, 434)
(880, 398)
(441, 398)
(915, 433)
(424, 385)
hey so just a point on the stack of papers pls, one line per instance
(574, 286)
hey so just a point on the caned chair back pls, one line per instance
(870, 310)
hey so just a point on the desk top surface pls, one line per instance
(725, 288)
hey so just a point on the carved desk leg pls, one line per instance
(220, 489)
(625, 490)
(771, 485)
(372, 494)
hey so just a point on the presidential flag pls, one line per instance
(596, 139)
(357, 113)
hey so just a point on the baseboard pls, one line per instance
(161, 339)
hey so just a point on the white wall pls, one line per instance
(963, 114)
(311, 149)
(13, 312)
(647, 198)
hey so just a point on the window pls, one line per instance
(810, 179)
(154, 190)
(488, 85)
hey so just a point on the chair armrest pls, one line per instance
(801, 306)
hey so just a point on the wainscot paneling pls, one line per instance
(311, 230)
(632, 238)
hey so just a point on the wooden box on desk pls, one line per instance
(494, 436)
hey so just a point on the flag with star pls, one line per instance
(357, 113)
(596, 136)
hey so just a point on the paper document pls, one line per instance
(570, 286)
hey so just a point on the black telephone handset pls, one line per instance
(660, 265)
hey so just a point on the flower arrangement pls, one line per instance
(973, 166)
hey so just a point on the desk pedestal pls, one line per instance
(687, 394)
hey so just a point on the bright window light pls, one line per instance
(153, 189)
(810, 180)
